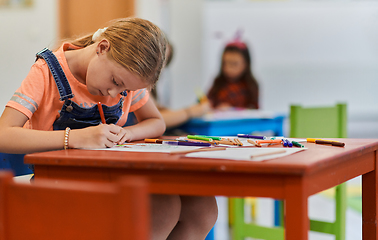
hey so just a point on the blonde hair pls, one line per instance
(136, 44)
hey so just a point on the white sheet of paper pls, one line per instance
(245, 153)
(147, 147)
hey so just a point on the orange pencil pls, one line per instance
(254, 143)
(101, 113)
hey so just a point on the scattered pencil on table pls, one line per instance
(161, 141)
(269, 141)
(238, 142)
(99, 105)
(196, 140)
(198, 150)
(251, 136)
(254, 143)
(286, 142)
(235, 141)
(268, 153)
(225, 142)
(323, 141)
(196, 137)
(214, 138)
(125, 144)
(314, 139)
(297, 144)
(147, 140)
(184, 143)
(338, 144)
(122, 145)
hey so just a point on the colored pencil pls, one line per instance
(101, 113)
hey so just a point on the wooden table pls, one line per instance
(292, 178)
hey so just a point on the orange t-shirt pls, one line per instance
(38, 95)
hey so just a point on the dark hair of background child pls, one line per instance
(247, 77)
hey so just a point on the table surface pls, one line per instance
(292, 178)
(316, 158)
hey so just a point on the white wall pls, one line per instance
(304, 52)
(182, 22)
(23, 32)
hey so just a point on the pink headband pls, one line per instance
(237, 44)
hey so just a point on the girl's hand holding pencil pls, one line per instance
(103, 135)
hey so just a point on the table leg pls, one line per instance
(296, 210)
(369, 204)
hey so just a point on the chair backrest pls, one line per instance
(58, 210)
(318, 122)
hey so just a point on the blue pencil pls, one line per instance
(251, 136)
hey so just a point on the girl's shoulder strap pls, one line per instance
(57, 72)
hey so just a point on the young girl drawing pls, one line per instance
(56, 108)
(235, 86)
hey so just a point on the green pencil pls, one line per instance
(297, 144)
(199, 138)
(214, 138)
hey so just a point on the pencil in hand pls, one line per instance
(101, 113)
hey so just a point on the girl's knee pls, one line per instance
(165, 213)
(168, 206)
(201, 211)
(211, 210)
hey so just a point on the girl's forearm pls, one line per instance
(21, 140)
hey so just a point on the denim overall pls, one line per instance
(72, 115)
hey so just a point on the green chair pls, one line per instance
(314, 122)
(241, 230)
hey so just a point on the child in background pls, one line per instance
(113, 66)
(175, 118)
(235, 86)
